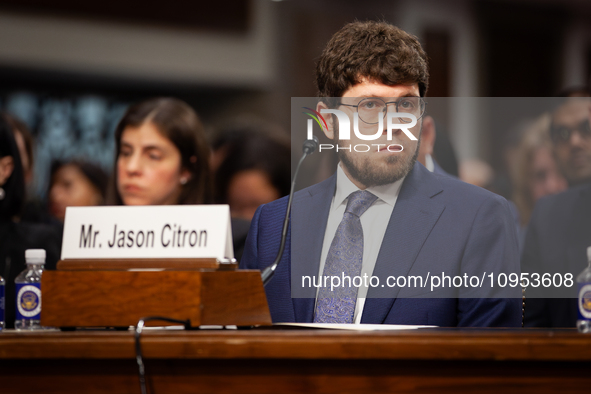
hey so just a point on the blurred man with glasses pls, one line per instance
(560, 228)
(383, 215)
(571, 135)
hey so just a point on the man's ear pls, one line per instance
(6, 168)
(330, 131)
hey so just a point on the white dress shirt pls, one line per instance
(374, 223)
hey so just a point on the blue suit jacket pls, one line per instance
(439, 225)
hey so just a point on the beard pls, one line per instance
(376, 173)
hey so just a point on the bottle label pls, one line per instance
(28, 301)
(584, 301)
(2, 304)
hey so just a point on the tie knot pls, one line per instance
(359, 201)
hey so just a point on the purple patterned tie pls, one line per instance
(344, 260)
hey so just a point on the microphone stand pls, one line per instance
(309, 147)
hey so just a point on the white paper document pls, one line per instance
(355, 327)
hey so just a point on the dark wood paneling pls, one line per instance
(521, 47)
(227, 15)
(426, 344)
(292, 376)
(290, 361)
(437, 44)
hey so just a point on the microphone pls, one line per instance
(309, 147)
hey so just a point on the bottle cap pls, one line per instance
(35, 256)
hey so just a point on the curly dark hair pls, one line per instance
(374, 50)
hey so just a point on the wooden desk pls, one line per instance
(287, 361)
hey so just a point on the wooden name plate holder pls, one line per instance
(117, 293)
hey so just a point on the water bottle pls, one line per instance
(2, 304)
(584, 299)
(28, 291)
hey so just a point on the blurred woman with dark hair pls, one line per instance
(161, 157)
(252, 163)
(16, 237)
(75, 183)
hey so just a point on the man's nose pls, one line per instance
(576, 138)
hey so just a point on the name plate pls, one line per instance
(166, 231)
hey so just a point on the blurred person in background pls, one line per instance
(75, 183)
(479, 173)
(34, 209)
(16, 236)
(570, 132)
(252, 166)
(535, 173)
(559, 231)
(24, 141)
(476, 172)
(251, 160)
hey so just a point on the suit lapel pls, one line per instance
(308, 224)
(413, 217)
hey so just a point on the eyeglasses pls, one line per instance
(561, 134)
(370, 108)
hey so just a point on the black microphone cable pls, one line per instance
(138, 347)
(309, 147)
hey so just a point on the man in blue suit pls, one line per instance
(382, 215)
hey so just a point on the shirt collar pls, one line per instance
(429, 162)
(387, 193)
